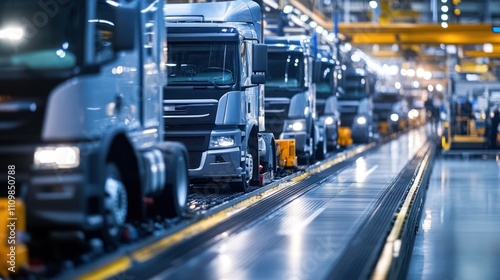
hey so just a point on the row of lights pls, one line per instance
(295, 14)
(416, 84)
(445, 9)
(420, 73)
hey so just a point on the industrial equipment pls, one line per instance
(290, 102)
(81, 123)
(214, 99)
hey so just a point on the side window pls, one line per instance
(104, 31)
(246, 58)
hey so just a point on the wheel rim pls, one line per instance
(182, 177)
(249, 166)
(115, 203)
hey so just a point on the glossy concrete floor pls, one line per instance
(302, 239)
(459, 236)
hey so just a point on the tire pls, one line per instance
(321, 150)
(116, 203)
(250, 168)
(171, 202)
(269, 164)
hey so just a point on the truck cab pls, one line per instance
(290, 102)
(356, 104)
(214, 95)
(326, 98)
(81, 120)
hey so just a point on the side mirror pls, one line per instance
(125, 23)
(259, 58)
(258, 79)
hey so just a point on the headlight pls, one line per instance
(413, 114)
(295, 125)
(361, 120)
(57, 157)
(328, 120)
(221, 141)
(394, 117)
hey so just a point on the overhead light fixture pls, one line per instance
(488, 48)
(288, 9)
(313, 24)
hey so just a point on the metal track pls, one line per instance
(361, 253)
(186, 249)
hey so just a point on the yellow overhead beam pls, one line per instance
(410, 33)
(481, 54)
(493, 52)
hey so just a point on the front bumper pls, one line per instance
(223, 164)
(58, 199)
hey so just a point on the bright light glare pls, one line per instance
(488, 48)
(420, 72)
(12, 33)
(288, 9)
(439, 87)
(413, 114)
(297, 126)
(397, 85)
(373, 4)
(444, 25)
(394, 117)
(361, 120)
(328, 120)
(430, 88)
(427, 75)
(60, 157)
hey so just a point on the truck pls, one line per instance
(214, 98)
(355, 103)
(390, 110)
(290, 101)
(81, 123)
(326, 98)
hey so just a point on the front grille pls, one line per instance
(274, 125)
(189, 114)
(195, 143)
(347, 119)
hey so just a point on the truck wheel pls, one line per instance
(247, 176)
(115, 202)
(172, 201)
(321, 150)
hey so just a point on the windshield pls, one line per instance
(354, 88)
(40, 35)
(324, 86)
(197, 63)
(285, 70)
